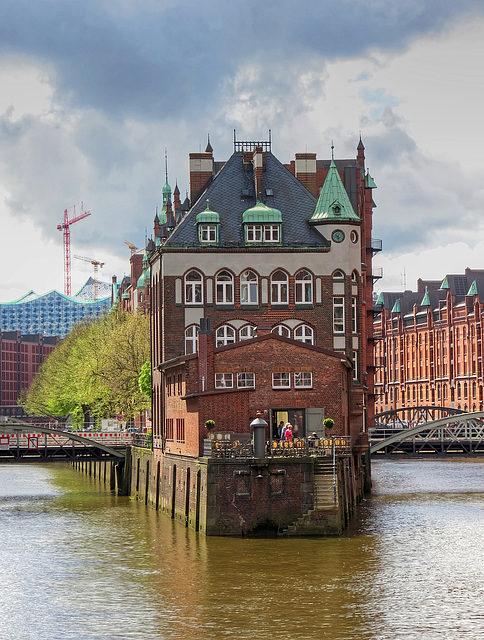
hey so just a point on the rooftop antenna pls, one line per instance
(404, 279)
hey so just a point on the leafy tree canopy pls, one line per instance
(95, 370)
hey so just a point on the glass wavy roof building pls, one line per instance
(53, 314)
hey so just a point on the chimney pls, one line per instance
(201, 171)
(258, 164)
(305, 171)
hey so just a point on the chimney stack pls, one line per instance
(305, 171)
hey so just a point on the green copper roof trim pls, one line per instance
(380, 299)
(445, 284)
(426, 299)
(369, 182)
(207, 216)
(333, 203)
(261, 213)
(473, 289)
(396, 306)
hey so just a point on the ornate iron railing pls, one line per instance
(278, 449)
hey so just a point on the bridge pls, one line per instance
(457, 433)
(24, 442)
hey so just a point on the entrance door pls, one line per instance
(297, 418)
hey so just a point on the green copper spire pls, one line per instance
(473, 289)
(426, 299)
(166, 193)
(396, 306)
(333, 203)
(445, 284)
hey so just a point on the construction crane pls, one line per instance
(65, 228)
(131, 246)
(97, 265)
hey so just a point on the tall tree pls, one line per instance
(94, 371)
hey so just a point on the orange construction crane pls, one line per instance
(64, 227)
(96, 264)
(131, 246)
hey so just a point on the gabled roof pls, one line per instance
(226, 194)
(333, 202)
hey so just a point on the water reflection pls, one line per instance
(78, 562)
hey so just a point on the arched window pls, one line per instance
(249, 288)
(247, 331)
(304, 333)
(354, 276)
(279, 287)
(224, 286)
(282, 330)
(224, 335)
(193, 288)
(338, 275)
(191, 339)
(458, 390)
(465, 390)
(304, 287)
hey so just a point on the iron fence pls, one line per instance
(300, 447)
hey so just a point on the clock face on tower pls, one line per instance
(338, 236)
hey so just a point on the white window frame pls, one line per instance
(224, 335)
(354, 316)
(245, 380)
(247, 332)
(224, 287)
(193, 288)
(303, 379)
(282, 330)
(303, 287)
(271, 233)
(249, 288)
(254, 233)
(191, 338)
(224, 380)
(208, 233)
(355, 365)
(279, 288)
(281, 380)
(338, 314)
(304, 333)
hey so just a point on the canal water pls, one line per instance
(77, 562)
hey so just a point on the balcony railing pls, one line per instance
(375, 245)
(377, 273)
(300, 447)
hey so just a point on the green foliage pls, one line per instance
(210, 424)
(94, 371)
(328, 423)
(144, 380)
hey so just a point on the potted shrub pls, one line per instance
(210, 424)
(328, 423)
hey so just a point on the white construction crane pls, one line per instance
(97, 265)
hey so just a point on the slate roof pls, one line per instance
(224, 192)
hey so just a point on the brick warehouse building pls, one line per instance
(428, 344)
(277, 260)
(20, 358)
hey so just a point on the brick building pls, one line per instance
(428, 344)
(20, 358)
(264, 247)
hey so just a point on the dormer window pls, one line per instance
(208, 223)
(262, 225)
(208, 233)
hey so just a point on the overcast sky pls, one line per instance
(92, 92)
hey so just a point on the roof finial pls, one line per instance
(209, 146)
(166, 166)
(332, 150)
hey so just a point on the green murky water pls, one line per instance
(77, 562)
